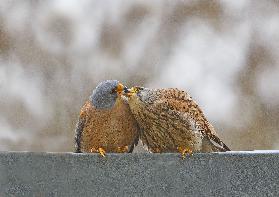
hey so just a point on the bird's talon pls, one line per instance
(102, 152)
(184, 152)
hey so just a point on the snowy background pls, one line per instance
(53, 54)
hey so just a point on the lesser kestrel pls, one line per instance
(171, 121)
(105, 122)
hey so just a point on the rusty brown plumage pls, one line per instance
(113, 129)
(171, 121)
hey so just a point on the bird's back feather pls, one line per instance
(179, 107)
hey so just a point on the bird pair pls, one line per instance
(166, 120)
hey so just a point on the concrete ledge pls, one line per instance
(142, 174)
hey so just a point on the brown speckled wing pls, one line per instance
(181, 102)
(81, 125)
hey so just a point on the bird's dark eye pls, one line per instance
(126, 90)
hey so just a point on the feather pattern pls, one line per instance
(170, 118)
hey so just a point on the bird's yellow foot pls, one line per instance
(102, 152)
(184, 152)
(122, 149)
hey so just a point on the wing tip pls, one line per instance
(226, 147)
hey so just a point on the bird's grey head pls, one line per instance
(105, 94)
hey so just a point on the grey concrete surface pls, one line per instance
(142, 174)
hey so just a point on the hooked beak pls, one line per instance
(131, 91)
(121, 88)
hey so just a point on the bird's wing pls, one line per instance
(135, 142)
(78, 134)
(80, 126)
(182, 104)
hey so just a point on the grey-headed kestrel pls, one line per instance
(106, 123)
(171, 121)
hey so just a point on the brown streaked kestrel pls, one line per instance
(106, 123)
(170, 121)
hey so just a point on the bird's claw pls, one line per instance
(184, 152)
(100, 150)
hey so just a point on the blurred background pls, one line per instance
(54, 53)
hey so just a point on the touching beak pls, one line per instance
(129, 92)
(120, 88)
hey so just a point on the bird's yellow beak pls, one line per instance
(130, 92)
(120, 88)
